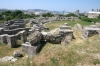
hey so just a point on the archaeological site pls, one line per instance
(32, 37)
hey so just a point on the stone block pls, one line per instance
(1, 31)
(23, 36)
(17, 54)
(78, 27)
(3, 38)
(35, 37)
(30, 50)
(12, 41)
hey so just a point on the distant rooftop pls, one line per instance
(94, 12)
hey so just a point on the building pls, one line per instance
(94, 14)
(85, 13)
(77, 12)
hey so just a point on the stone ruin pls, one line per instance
(62, 35)
(11, 31)
(87, 31)
(32, 47)
(14, 30)
(44, 20)
(38, 24)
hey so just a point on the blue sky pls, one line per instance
(57, 5)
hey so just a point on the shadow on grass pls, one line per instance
(43, 43)
(17, 46)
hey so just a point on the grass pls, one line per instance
(28, 24)
(56, 24)
(85, 52)
(6, 51)
(96, 61)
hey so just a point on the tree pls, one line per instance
(1, 18)
(71, 14)
(8, 18)
(61, 15)
(47, 15)
(17, 14)
(6, 13)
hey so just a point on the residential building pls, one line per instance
(94, 14)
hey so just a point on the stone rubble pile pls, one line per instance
(13, 30)
(63, 35)
(8, 58)
(32, 47)
(87, 31)
(17, 54)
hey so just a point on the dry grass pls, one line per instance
(6, 51)
(28, 24)
(78, 53)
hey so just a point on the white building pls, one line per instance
(93, 14)
(38, 13)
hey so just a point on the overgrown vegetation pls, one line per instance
(48, 14)
(85, 18)
(69, 15)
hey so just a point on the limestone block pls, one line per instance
(3, 38)
(1, 31)
(78, 27)
(12, 41)
(35, 37)
(23, 36)
(30, 50)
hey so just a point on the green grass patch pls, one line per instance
(54, 61)
(96, 61)
(56, 24)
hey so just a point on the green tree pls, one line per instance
(1, 17)
(8, 18)
(6, 13)
(71, 14)
(61, 15)
(17, 14)
(47, 14)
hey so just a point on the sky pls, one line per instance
(53, 5)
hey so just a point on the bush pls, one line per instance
(96, 61)
(47, 15)
(90, 19)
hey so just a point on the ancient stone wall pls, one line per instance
(32, 47)
(87, 31)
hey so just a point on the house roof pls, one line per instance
(94, 12)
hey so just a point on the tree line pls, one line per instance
(8, 15)
(18, 14)
(85, 18)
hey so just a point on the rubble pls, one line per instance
(58, 35)
(8, 58)
(87, 31)
(17, 54)
(31, 37)
(12, 41)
